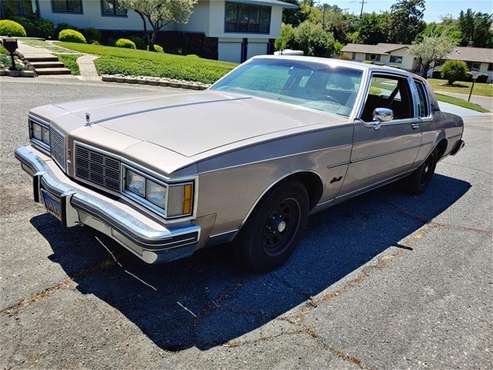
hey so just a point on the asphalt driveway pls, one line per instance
(386, 280)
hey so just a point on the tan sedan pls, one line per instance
(246, 161)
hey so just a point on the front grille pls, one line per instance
(57, 147)
(97, 168)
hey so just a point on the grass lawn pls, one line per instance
(482, 89)
(461, 103)
(70, 61)
(115, 60)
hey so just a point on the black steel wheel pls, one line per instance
(419, 180)
(273, 229)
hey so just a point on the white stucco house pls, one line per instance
(236, 29)
(479, 60)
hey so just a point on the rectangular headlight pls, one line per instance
(45, 135)
(135, 183)
(156, 194)
(37, 131)
(169, 200)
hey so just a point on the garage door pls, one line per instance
(229, 51)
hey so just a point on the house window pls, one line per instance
(395, 59)
(373, 57)
(66, 6)
(247, 18)
(111, 8)
(490, 67)
(475, 67)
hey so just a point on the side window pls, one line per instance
(391, 92)
(423, 110)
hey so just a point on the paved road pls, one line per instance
(383, 281)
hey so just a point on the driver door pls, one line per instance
(387, 149)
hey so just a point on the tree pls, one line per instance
(313, 40)
(287, 37)
(431, 49)
(454, 70)
(372, 28)
(448, 27)
(476, 29)
(159, 13)
(406, 21)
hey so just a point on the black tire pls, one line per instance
(418, 181)
(273, 230)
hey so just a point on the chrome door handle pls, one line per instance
(373, 124)
(415, 126)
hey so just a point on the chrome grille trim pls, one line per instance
(57, 147)
(97, 168)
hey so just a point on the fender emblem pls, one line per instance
(335, 179)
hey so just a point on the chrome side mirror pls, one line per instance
(383, 114)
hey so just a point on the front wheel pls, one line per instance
(418, 181)
(273, 229)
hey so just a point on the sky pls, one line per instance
(435, 9)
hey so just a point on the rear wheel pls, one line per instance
(273, 229)
(419, 180)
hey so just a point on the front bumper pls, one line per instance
(149, 240)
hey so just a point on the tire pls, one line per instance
(418, 181)
(273, 230)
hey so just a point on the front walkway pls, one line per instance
(87, 68)
(27, 51)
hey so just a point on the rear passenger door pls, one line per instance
(390, 148)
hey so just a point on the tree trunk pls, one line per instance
(145, 27)
(155, 33)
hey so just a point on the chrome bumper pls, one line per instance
(147, 239)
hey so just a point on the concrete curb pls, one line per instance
(23, 73)
(155, 81)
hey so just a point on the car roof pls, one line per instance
(333, 62)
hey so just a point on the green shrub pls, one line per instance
(158, 48)
(313, 40)
(36, 27)
(92, 35)
(125, 43)
(95, 43)
(454, 70)
(72, 36)
(287, 38)
(12, 28)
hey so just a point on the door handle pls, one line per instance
(376, 125)
(415, 126)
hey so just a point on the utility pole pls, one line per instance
(363, 2)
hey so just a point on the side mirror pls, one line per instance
(383, 114)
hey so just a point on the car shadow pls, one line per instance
(206, 300)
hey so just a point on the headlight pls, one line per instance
(156, 194)
(170, 200)
(39, 132)
(135, 183)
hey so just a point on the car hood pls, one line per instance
(187, 124)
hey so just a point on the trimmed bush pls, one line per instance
(12, 28)
(158, 48)
(125, 43)
(454, 70)
(72, 36)
(36, 27)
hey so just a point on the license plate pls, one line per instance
(53, 204)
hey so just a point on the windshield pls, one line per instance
(331, 89)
